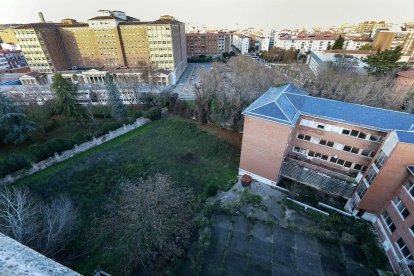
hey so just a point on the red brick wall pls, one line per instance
(389, 180)
(264, 146)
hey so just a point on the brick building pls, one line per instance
(209, 44)
(359, 153)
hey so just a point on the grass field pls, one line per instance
(193, 157)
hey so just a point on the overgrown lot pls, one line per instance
(192, 157)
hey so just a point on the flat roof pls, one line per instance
(284, 104)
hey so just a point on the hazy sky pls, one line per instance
(219, 13)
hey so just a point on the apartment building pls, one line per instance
(209, 43)
(15, 60)
(42, 47)
(110, 40)
(391, 39)
(242, 43)
(306, 43)
(343, 59)
(362, 154)
(367, 27)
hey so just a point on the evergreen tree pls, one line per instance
(384, 62)
(66, 96)
(14, 124)
(118, 109)
(339, 43)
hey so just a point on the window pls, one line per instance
(304, 137)
(354, 133)
(380, 160)
(370, 175)
(388, 221)
(404, 250)
(320, 126)
(362, 135)
(366, 153)
(355, 150)
(333, 160)
(400, 206)
(341, 161)
(374, 138)
(323, 142)
(311, 153)
(348, 164)
(409, 187)
(330, 144)
(324, 157)
(361, 190)
(357, 167)
(347, 148)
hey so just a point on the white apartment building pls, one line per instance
(306, 43)
(242, 43)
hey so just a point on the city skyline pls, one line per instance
(218, 14)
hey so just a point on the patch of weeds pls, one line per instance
(256, 200)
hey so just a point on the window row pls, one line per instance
(331, 159)
(338, 146)
(401, 208)
(404, 249)
(341, 130)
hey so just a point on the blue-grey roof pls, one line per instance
(284, 104)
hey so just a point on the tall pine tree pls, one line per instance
(14, 124)
(384, 62)
(66, 93)
(118, 109)
(339, 43)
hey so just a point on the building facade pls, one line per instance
(110, 40)
(209, 44)
(314, 43)
(343, 59)
(359, 153)
(391, 39)
(42, 46)
(242, 43)
(15, 60)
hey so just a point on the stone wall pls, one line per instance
(56, 158)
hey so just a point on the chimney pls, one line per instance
(42, 19)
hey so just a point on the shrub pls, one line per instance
(106, 127)
(40, 152)
(49, 125)
(13, 163)
(211, 190)
(153, 114)
(137, 114)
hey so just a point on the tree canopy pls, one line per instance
(66, 96)
(339, 43)
(118, 109)
(14, 124)
(385, 61)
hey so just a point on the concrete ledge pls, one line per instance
(18, 259)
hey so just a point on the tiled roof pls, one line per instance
(103, 17)
(284, 104)
(36, 26)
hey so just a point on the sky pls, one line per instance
(219, 13)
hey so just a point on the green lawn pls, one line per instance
(191, 156)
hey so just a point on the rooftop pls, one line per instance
(285, 104)
(407, 74)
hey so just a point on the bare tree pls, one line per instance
(229, 88)
(44, 227)
(153, 219)
(19, 215)
(59, 218)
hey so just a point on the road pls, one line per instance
(190, 77)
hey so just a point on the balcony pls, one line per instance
(318, 178)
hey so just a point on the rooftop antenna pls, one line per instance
(42, 19)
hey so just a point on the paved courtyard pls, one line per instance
(258, 242)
